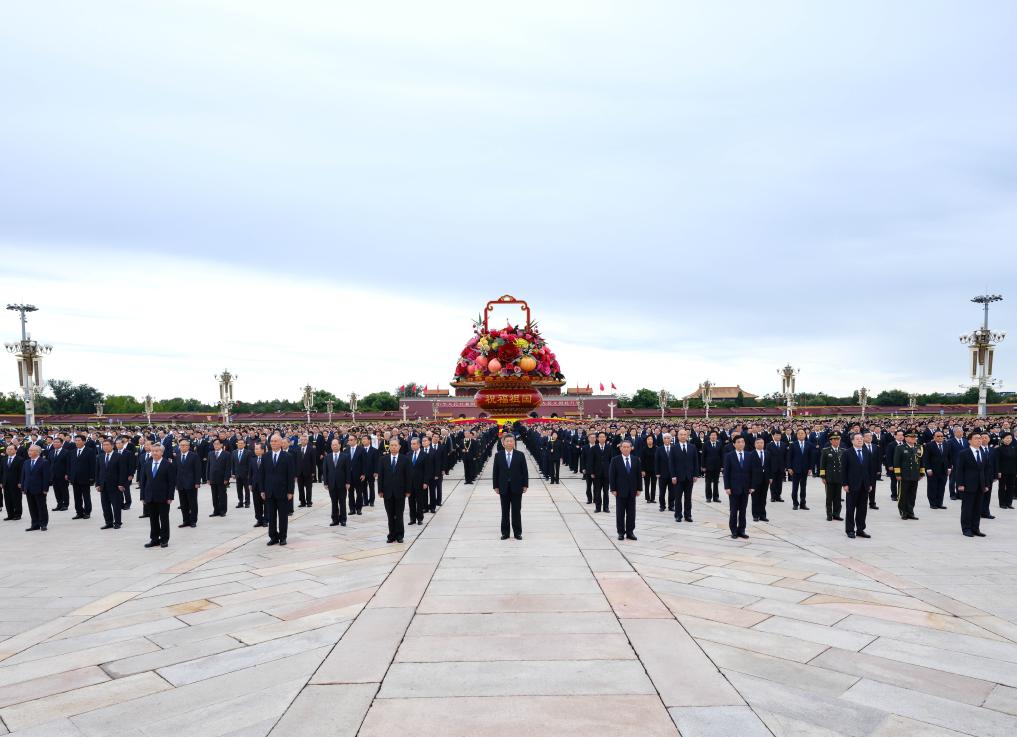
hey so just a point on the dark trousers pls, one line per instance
(421, 496)
(987, 499)
(395, 504)
(935, 489)
(13, 499)
(304, 484)
(278, 512)
(713, 485)
(555, 469)
(600, 497)
(759, 501)
(356, 497)
(433, 490)
(683, 499)
(736, 520)
(111, 499)
(952, 484)
(82, 499)
(589, 489)
(907, 492)
(219, 502)
(243, 492)
(971, 509)
(625, 513)
(436, 492)
(1007, 486)
(798, 483)
(651, 488)
(856, 508)
(158, 521)
(259, 507)
(833, 499)
(511, 506)
(189, 506)
(60, 491)
(369, 493)
(338, 497)
(468, 470)
(38, 510)
(776, 486)
(666, 493)
(127, 496)
(893, 484)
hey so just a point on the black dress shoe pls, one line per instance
(282, 542)
(630, 537)
(688, 519)
(764, 519)
(342, 524)
(106, 527)
(31, 529)
(183, 524)
(915, 518)
(330, 524)
(743, 536)
(127, 507)
(151, 544)
(239, 506)
(873, 506)
(359, 512)
(804, 507)
(519, 537)
(795, 508)
(163, 545)
(77, 516)
(194, 524)
(838, 519)
(117, 525)
(214, 514)
(273, 542)
(988, 516)
(621, 537)
(247, 505)
(864, 534)
(979, 534)
(734, 537)
(43, 528)
(969, 534)
(399, 539)
(142, 516)
(57, 509)
(851, 535)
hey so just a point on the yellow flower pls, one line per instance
(522, 343)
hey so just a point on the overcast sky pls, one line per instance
(328, 192)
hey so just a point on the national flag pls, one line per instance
(613, 386)
(425, 387)
(602, 386)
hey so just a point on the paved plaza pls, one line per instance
(796, 631)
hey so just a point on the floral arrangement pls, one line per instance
(507, 352)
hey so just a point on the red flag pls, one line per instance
(425, 387)
(402, 388)
(602, 386)
(613, 386)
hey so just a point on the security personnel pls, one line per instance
(831, 470)
(907, 467)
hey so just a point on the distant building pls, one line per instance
(721, 393)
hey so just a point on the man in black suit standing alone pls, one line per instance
(394, 488)
(157, 495)
(81, 467)
(857, 477)
(337, 481)
(35, 482)
(626, 483)
(684, 471)
(58, 457)
(219, 477)
(970, 472)
(240, 464)
(12, 482)
(511, 480)
(307, 467)
(737, 486)
(190, 469)
(110, 480)
(277, 477)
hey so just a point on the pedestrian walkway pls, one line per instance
(796, 631)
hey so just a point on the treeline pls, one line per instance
(63, 397)
(648, 399)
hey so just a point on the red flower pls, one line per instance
(508, 352)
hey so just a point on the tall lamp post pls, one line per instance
(863, 399)
(982, 343)
(706, 394)
(611, 405)
(582, 406)
(308, 401)
(662, 396)
(148, 408)
(434, 409)
(98, 409)
(29, 355)
(329, 406)
(404, 407)
(912, 401)
(353, 406)
(685, 408)
(226, 402)
(787, 378)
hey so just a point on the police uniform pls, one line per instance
(907, 467)
(831, 470)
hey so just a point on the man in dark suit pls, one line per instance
(433, 453)
(337, 481)
(759, 478)
(58, 457)
(307, 464)
(856, 486)
(937, 468)
(875, 465)
(369, 470)
(190, 471)
(157, 495)
(240, 464)
(664, 462)
(626, 484)
(129, 462)
(12, 481)
(81, 465)
(801, 464)
(394, 488)
(972, 483)
(110, 480)
(511, 479)
(277, 478)
(712, 460)
(586, 461)
(600, 456)
(737, 486)
(358, 459)
(35, 483)
(684, 471)
(218, 474)
(955, 445)
(257, 460)
(420, 474)
(776, 452)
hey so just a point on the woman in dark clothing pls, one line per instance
(647, 461)
(1006, 467)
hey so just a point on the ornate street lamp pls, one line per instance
(29, 356)
(434, 409)
(787, 378)
(611, 405)
(226, 380)
(353, 405)
(308, 401)
(98, 409)
(148, 408)
(863, 399)
(706, 394)
(685, 408)
(912, 401)
(404, 407)
(982, 343)
(582, 405)
(329, 406)
(662, 397)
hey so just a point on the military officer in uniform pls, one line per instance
(907, 467)
(831, 470)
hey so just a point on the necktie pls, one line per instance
(508, 460)
(414, 458)
(859, 455)
(739, 458)
(978, 456)
(33, 463)
(628, 465)
(107, 458)
(275, 457)
(155, 468)
(79, 452)
(394, 458)
(335, 459)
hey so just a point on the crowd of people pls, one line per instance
(274, 470)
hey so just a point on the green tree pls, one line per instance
(891, 398)
(378, 402)
(115, 404)
(179, 404)
(642, 399)
(71, 398)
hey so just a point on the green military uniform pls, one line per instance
(831, 470)
(907, 467)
